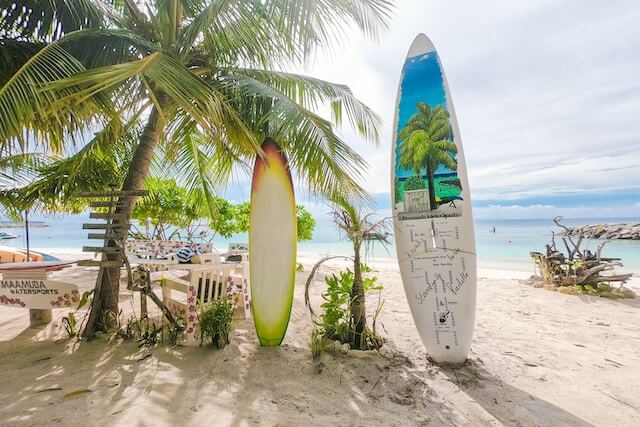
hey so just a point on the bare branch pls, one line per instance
(312, 275)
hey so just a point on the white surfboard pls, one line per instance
(432, 219)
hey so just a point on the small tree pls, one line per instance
(227, 220)
(166, 205)
(306, 222)
(362, 227)
(414, 183)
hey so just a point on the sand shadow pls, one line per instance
(508, 404)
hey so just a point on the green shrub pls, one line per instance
(132, 329)
(335, 323)
(214, 322)
(70, 322)
(318, 342)
(150, 336)
(414, 183)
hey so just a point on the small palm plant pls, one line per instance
(362, 227)
(427, 144)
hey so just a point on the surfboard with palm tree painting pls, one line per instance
(432, 217)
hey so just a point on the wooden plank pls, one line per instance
(105, 236)
(100, 263)
(106, 250)
(119, 194)
(107, 215)
(108, 204)
(105, 226)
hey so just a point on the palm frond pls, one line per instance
(313, 23)
(229, 33)
(13, 55)
(30, 114)
(54, 185)
(46, 21)
(189, 162)
(100, 47)
(322, 160)
(311, 92)
(185, 91)
(219, 156)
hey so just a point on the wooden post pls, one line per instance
(143, 305)
(113, 239)
(39, 317)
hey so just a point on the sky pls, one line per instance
(547, 95)
(546, 92)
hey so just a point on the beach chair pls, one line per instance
(211, 282)
(237, 252)
(207, 258)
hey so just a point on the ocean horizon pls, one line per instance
(507, 248)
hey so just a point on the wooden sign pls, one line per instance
(38, 293)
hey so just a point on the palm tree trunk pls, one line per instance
(104, 308)
(432, 189)
(358, 312)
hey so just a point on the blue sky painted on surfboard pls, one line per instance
(421, 82)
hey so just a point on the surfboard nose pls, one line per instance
(421, 44)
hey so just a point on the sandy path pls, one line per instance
(539, 358)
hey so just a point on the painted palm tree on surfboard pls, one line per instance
(426, 145)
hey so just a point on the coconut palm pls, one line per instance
(204, 79)
(427, 144)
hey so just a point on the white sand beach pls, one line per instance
(538, 358)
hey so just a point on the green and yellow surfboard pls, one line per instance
(272, 244)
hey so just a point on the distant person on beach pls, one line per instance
(493, 229)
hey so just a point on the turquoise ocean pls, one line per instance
(507, 248)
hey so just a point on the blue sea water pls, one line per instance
(508, 247)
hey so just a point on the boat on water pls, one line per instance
(8, 254)
(7, 236)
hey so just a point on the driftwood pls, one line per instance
(580, 271)
(623, 231)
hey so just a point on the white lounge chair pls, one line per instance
(238, 252)
(211, 282)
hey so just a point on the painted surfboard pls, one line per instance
(432, 219)
(272, 244)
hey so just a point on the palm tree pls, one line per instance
(361, 227)
(203, 79)
(427, 144)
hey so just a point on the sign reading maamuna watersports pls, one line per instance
(39, 294)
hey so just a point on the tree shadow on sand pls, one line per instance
(507, 403)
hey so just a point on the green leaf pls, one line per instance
(85, 298)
